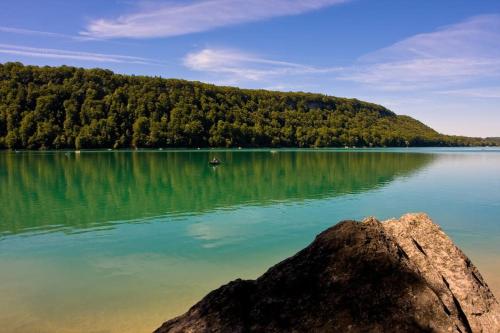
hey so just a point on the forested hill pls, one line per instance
(494, 139)
(66, 107)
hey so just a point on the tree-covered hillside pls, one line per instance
(66, 107)
(495, 140)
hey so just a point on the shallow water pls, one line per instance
(120, 241)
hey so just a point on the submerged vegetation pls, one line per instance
(67, 107)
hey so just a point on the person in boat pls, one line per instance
(214, 161)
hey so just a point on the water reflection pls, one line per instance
(45, 192)
(236, 221)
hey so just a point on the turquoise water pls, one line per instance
(120, 241)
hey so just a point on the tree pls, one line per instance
(141, 132)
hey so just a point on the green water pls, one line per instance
(121, 241)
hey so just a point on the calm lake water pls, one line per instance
(121, 241)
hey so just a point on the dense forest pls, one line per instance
(496, 140)
(67, 107)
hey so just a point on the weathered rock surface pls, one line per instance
(401, 275)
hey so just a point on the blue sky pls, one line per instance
(435, 60)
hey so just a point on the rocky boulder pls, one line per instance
(401, 275)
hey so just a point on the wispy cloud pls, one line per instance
(455, 54)
(484, 92)
(29, 32)
(73, 55)
(236, 66)
(444, 60)
(179, 18)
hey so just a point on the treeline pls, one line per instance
(67, 107)
(494, 139)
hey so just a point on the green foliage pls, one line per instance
(66, 107)
(494, 140)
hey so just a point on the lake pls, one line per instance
(120, 241)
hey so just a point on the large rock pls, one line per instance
(401, 275)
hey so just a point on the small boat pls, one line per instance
(214, 161)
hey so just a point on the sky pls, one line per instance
(435, 60)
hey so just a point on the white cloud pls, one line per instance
(423, 73)
(64, 54)
(485, 92)
(29, 32)
(455, 54)
(177, 18)
(236, 66)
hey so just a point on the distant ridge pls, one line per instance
(494, 139)
(74, 108)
